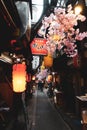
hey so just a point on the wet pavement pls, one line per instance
(41, 114)
(46, 116)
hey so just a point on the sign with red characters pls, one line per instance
(38, 46)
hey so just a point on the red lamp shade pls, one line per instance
(19, 77)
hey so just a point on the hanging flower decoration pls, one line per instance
(61, 31)
(42, 74)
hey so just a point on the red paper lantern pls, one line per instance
(19, 77)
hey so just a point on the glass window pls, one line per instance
(38, 2)
(37, 10)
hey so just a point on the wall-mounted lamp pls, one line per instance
(19, 77)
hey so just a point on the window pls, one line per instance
(37, 10)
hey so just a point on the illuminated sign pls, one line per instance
(38, 46)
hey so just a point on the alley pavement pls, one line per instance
(41, 114)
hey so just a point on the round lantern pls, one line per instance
(19, 77)
(33, 77)
(49, 78)
(48, 60)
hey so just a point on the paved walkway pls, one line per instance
(42, 115)
(46, 117)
